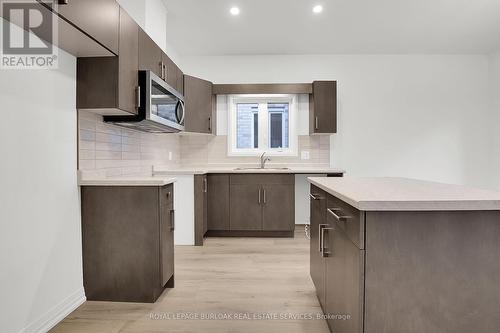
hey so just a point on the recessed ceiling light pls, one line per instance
(317, 9)
(234, 11)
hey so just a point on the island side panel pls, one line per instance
(433, 272)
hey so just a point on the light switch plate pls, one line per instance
(169, 155)
(304, 154)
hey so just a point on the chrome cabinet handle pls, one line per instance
(324, 253)
(165, 72)
(316, 126)
(161, 69)
(339, 218)
(205, 185)
(315, 196)
(264, 195)
(172, 219)
(320, 247)
(210, 124)
(259, 196)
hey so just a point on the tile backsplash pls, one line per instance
(212, 150)
(109, 150)
(116, 151)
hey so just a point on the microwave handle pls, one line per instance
(180, 104)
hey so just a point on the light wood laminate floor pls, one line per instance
(245, 276)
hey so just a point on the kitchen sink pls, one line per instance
(255, 168)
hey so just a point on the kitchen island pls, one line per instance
(402, 255)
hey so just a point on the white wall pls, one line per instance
(494, 155)
(408, 115)
(136, 9)
(40, 238)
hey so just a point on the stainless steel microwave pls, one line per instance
(161, 107)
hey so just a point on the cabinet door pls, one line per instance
(344, 287)
(278, 207)
(167, 226)
(246, 208)
(121, 243)
(218, 202)
(128, 63)
(200, 208)
(171, 72)
(317, 263)
(97, 18)
(150, 55)
(205, 204)
(323, 107)
(198, 97)
(180, 81)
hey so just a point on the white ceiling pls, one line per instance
(205, 27)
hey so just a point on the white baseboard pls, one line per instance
(57, 313)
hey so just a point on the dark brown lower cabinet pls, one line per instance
(218, 202)
(246, 207)
(263, 203)
(317, 221)
(405, 271)
(128, 242)
(200, 208)
(251, 205)
(344, 278)
(278, 207)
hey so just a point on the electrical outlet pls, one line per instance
(304, 154)
(170, 156)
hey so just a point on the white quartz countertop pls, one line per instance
(126, 181)
(233, 169)
(403, 194)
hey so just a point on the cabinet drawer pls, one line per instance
(347, 218)
(262, 179)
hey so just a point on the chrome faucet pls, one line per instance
(263, 160)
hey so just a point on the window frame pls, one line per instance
(264, 123)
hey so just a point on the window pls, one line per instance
(259, 123)
(278, 125)
(247, 125)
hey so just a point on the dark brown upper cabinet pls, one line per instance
(71, 38)
(199, 100)
(128, 62)
(172, 74)
(97, 18)
(109, 85)
(323, 108)
(152, 58)
(150, 55)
